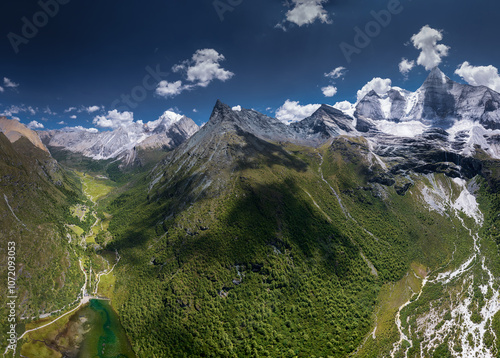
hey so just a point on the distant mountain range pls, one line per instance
(459, 117)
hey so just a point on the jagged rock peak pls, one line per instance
(436, 75)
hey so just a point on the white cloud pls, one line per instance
(9, 84)
(62, 123)
(292, 111)
(431, 52)
(47, 110)
(35, 125)
(329, 91)
(70, 109)
(346, 107)
(237, 108)
(169, 89)
(406, 66)
(10, 111)
(92, 109)
(195, 110)
(204, 67)
(90, 130)
(480, 75)
(305, 12)
(114, 119)
(343, 106)
(336, 73)
(1, 89)
(73, 116)
(377, 84)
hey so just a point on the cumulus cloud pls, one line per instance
(329, 91)
(199, 71)
(9, 84)
(427, 42)
(204, 67)
(292, 111)
(377, 84)
(1, 89)
(90, 130)
(343, 106)
(62, 123)
(35, 125)
(114, 119)
(406, 66)
(305, 12)
(237, 108)
(169, 89)
(70, 109)
(336, 73)
(92, 109)
(480, 75)
(73, 116)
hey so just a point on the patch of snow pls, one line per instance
(403, 129)
(467, 203)
(385, 105)
(411, 101)
(168, 118)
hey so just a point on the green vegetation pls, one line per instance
(273, 266)
(35, 198)
(245, 251)
(95, 187)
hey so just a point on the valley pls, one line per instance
(328, 237)
(81, 331)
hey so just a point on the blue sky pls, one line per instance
(253, 53)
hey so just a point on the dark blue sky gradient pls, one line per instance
(91, 52)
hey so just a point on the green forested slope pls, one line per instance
(247, 251)
(35, 196)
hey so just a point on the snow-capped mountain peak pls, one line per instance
(470, 114)
(167, 119)
(169, 130)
